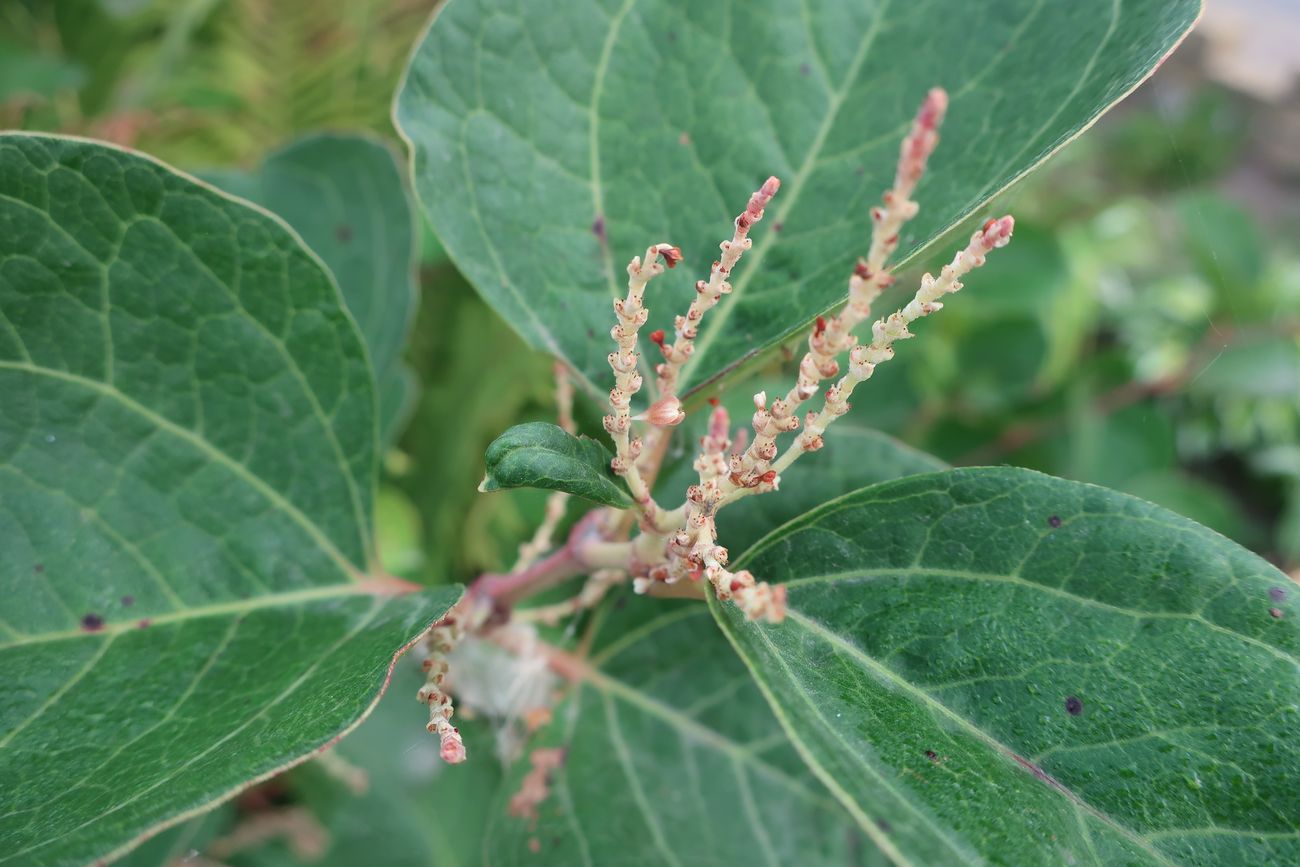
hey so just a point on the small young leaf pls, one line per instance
(576, 136)
(542, 455)
(1004, 667)
(187, 472)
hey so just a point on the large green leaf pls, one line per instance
(542, 455)
(345, 195)
(413, 809)
(992, 665)
(186, 483)
(672, 759)
(551, 143)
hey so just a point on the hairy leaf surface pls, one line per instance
(187, 449)
(543, 455)
(992, 665)
(345, 195)
(550, 145)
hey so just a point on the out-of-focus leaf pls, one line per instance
(1226, 246)
(24, 72)
(399, 533)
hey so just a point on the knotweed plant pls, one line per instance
(782, 639)
(674, 550)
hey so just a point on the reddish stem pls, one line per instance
(507, 589)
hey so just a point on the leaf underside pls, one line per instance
(995, 665)
(187, 450)
(576, 137)
(542, 455)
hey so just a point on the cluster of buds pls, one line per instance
(863, 358)
(693, 551)
(681, 546)
(441, 639)
(624, 361)
(708, 294)
(831, 337)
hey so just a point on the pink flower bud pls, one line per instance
(665, 412)
(672, 255)
(997, 233)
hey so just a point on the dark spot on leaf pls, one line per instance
(1073, 706)
(794, 275)
(1054, 521)
(804, 69)
(778, 226)
(621, 603)
(672, 36)
(591, 332)
(598, 229)
(144, 624)
(1275, 613)
(932, 755)
(343, 233)
(128, 601)
(1277, 594)
(884, 826)
(39, 567)
(92, 622)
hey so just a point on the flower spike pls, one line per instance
(632, 314)
(707, 295)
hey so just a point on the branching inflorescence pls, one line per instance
(680, 545)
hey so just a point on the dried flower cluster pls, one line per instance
(682, 543)
(680, 546)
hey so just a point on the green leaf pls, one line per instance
(187, 467)
(28, 73)
(672, 759)
(344, 194)
(1266, 368)
(415, 810)
(1010, 668)
(550, 146)
(1227, 247)
(542, 455)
